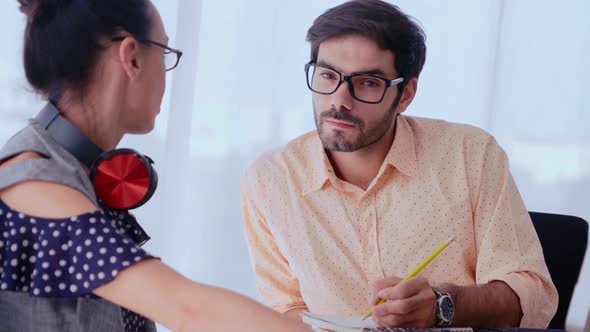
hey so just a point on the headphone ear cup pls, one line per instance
(123, 179)
(153, 181)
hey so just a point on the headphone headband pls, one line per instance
(67, 135)
(122, 179)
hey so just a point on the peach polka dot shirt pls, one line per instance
(319, 242)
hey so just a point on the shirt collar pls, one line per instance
(319, 165)
(401, 155)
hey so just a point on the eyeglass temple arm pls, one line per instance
(396, 81)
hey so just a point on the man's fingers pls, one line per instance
(404, 290)
(385, 283)
(382, 284)
(399, 307)
(407, 303)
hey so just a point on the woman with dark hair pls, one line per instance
(70, 259)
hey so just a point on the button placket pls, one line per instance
(374, 268)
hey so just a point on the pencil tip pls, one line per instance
(451, 240)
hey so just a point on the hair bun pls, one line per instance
(41, 8)
(25, 6)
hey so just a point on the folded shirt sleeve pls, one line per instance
(276, 283)
(508, 248)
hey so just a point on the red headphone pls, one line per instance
(123, 179)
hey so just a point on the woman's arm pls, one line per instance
(156, 291)
(149, 287)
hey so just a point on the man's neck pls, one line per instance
(362, 166)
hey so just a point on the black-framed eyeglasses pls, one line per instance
(367, 88)
(171, 56)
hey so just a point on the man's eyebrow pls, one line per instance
(375, 71)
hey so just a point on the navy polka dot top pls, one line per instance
(68, 257)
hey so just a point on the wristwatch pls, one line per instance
(445, 309)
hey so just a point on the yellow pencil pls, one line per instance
(418, 269)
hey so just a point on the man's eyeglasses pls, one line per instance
(366, 88)
(171, 56)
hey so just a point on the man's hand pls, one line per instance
(409, 304)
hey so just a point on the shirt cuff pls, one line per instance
(283, 308)
(537, 303)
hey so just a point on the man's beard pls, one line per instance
(336, 140)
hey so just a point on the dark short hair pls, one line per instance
(379, 21)
(62, 39)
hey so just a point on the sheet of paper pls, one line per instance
(357, 324)
(344, 322)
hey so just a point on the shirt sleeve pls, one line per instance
(508, 248)
(276, 283)
(67, 257)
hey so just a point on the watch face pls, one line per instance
(447, 308)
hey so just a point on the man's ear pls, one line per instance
(408, 95)
(129, 56)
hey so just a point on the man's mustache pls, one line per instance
(342, 115)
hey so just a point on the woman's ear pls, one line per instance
(129, 55)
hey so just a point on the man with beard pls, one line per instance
(337, 217)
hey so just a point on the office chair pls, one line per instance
(564, 240)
